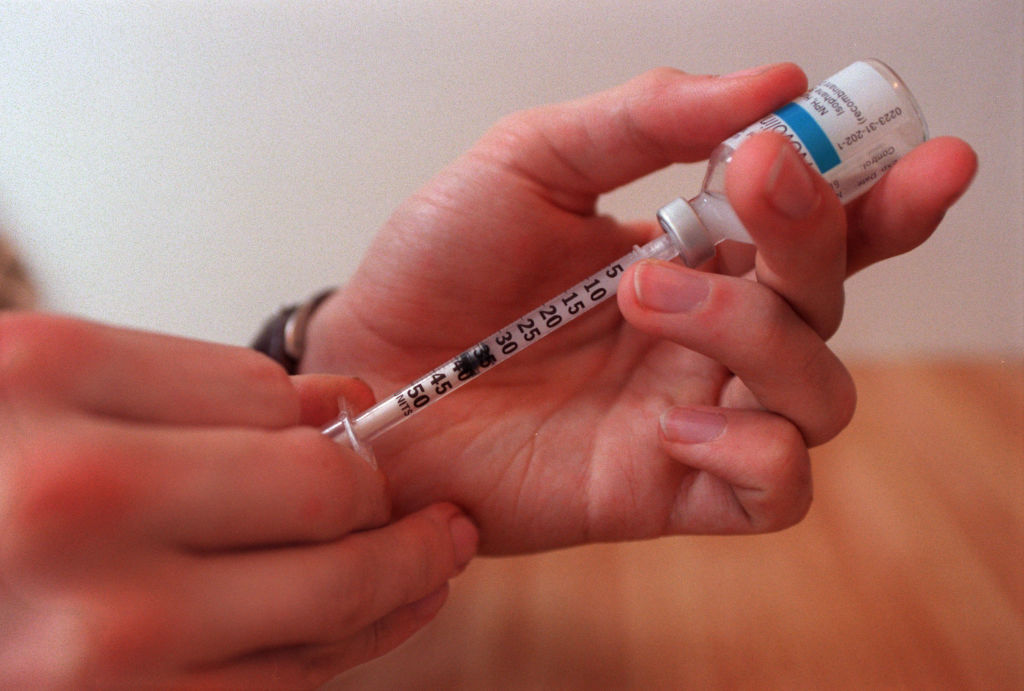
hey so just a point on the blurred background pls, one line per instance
(189, 167)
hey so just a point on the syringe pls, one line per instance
(852, 147)
(495, 349)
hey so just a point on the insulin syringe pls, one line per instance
(493, 350)
(851, 129)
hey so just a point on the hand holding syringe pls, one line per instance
(851, 129)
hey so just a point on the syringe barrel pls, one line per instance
(496, 348)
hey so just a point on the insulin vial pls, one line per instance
(851, 128)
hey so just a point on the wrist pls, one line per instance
(284, 336)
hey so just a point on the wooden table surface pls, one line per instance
(907, 573)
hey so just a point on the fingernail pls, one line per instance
(464, 538)
(664, 287)
(790, 187)
(688, 426)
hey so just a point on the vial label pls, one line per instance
(851, 128)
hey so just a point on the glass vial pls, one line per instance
(851, 128)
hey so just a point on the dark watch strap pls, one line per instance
(283, 336)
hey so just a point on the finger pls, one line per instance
(903, 209)
(193, 489)
(141, 376)
(752, 332)
(798, 225)
(752, 470)
(246, 488)
(313, 665)
(321, 397)
(581, 149)
(328, 593)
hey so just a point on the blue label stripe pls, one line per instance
(811, 134)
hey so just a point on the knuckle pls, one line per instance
(750, 317)
(380, 574)
(262, 370)
(639, 95)
(47, 651)
(651, 89)
(432, 557)
(126, 635)
(793, 507)
(312, 667)
(844, 403)
(661, 76)
(832, 318)
(340, 491)
(30, 343)
(94, 637)
(509, 135)
(274, 385)
(377, 640)
(388, 633)
(644, 96)
(788, 482)
(345, 598)
(654, 86)
(837, 393)
(59, 491)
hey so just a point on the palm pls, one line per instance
(555, 431)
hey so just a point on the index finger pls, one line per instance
(141, 376)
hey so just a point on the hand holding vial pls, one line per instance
(692, 408)
(853, 127)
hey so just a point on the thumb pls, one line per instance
(595, 144)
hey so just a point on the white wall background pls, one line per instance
(188, 167)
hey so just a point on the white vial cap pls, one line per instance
(691, 238)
